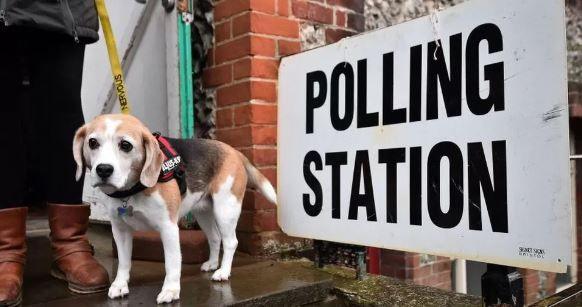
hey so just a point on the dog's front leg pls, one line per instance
(123, 237)
(173, 261)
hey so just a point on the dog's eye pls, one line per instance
(125, 146)
(93, 144)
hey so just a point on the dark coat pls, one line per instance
(77, 18)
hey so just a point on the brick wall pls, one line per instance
(327, 21)
(421, 269)
(250, 37)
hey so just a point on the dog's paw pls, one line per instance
(221, 275)
(209, 266)
(168, 294)
(118, 290)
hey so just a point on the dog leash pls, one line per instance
(113, 57)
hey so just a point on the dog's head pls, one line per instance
(119, 150)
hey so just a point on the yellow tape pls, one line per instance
(113, 57)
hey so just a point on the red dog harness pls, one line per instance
(172, 168)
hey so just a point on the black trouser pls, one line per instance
(40, 110)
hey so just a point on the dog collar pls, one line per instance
(172, 168)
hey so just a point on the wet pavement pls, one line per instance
(253, 283)
(260, 284)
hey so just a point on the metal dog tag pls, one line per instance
(125, 210)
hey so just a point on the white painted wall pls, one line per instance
(97, 73)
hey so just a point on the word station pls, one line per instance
(475, 165)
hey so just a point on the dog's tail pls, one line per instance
(259, 181)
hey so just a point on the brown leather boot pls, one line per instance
(12, 255)
(74, 261)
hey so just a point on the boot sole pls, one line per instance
(76, 288)
(14, 303)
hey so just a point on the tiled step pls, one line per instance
(260, 284)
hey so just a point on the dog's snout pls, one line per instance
(104, 170)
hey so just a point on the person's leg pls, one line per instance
(56, 77)
(12, 119)
(13, 182)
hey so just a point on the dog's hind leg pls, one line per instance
(205, 218)
(226, 208)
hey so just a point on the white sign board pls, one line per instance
(459, 152)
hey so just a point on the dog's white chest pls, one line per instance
(147, 212)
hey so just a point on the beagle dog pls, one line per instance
(121, 153)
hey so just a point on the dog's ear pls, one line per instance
(78, 142)
(153, 160)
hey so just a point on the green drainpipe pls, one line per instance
(186, 90)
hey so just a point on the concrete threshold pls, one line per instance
(260, 284)
(253, 282)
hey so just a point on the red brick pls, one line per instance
(312, 11)
(442, 266)
(243, 46)
(412, 260)
(245, 91)
(232, 94)
(239, 136)
(283, 7)
(224, 118)
(395, 260)
(255, 114)
(354, 5)
(270, 173)
(356, 22)
(248, 135)
(227, 8)
(387, 270)
(399, 273)
(265, 24)
(340, 18)
(258, 221)
(265, 6)
(253, 67)
(233, 50)
(444, 277)
(263, 90)
(264, 156)
(256, 201)
(261, 156)
(288, 47)
(241, 24)
(262, 46)
(217, 75)
(264, 135)
(242, 68)
(222, 31)
(421, 271)
(334, 35)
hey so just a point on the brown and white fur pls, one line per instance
(217, 176)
